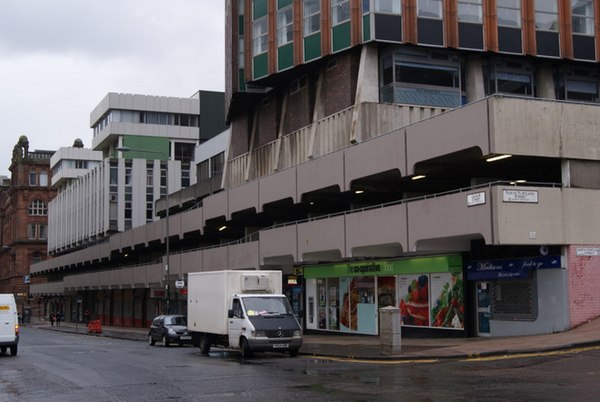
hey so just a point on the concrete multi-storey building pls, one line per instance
(440, 157)
(24, 202)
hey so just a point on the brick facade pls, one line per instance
(584, 282)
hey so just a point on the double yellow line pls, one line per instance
(470, 359)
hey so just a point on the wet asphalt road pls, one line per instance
(55, 366)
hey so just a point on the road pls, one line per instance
(54, 366)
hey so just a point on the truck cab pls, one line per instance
(263, 322)
(9, 324)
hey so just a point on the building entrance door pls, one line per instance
(483, 308)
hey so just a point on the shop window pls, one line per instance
(514, 299)
(430, 80)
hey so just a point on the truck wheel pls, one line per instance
(245, 346)
(13, 350)
(165, 341)
(204, 344)
(151, 341)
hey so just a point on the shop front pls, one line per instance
(518, 296)
(346, 297)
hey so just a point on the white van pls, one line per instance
(9, 324)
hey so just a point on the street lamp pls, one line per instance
(167, 242)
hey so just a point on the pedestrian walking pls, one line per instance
(51, 320)
(58, 318)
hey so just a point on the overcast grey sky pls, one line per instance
(59, 58)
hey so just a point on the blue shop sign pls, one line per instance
(509, 268)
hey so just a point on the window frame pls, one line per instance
(440, 9)
(308, 17)
(260, 38)
(285, 32)
(470, 4)
(37, 207)
(539, 13)
(509, 8)
(337, 8)
(586, 18)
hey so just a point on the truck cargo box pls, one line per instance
(210, 295)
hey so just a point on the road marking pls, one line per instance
(532, 354)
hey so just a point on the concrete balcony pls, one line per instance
(327, 135)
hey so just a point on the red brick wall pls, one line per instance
(584, 286)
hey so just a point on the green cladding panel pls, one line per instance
(259, 9)
(366, 27)
(341, 36)
(260, 66)
(312, 47)
(436, 264)
(146, 147)
(241, 25)
(285, 56)
(242, 79)
(283, 3)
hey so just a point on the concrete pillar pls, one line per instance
(390, 334)
(545, 82)
(474, 85)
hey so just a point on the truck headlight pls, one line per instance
(259, 334)
(172, 331)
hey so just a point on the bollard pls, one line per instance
(390, 330)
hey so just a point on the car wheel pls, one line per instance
(165, 341)
(204, 344)
(151, 341)
(13, 350)
(245, 346)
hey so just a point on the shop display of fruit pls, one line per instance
(449, 308)
(414, 308)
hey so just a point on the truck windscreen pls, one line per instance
(265, 305)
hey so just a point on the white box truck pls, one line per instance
(9, 324)
(243, 310)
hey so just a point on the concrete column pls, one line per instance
(474, 85)
(545, 82)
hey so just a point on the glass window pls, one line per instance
(511, 81)
(581, 90)
(470, 11)
(429, 9)
(340, 11)
(260, 36)
(217, 163)
(241, 58)
(509, 13)
(32, 178)
(312, 16)
(43, 179)
(42, 231)
(285, 26)
(31, 231)
(425, 74)
(38, 208)
(388, 6)
(583, 17)
(546, 15)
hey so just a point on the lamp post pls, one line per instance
(167, 242)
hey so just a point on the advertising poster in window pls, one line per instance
(448, 306)
(413, 291)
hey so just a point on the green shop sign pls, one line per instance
(436, 264)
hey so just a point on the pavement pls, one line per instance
(358, 347)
